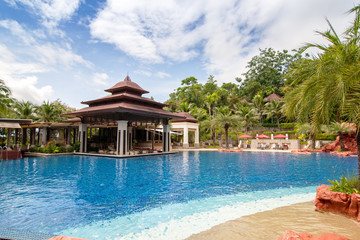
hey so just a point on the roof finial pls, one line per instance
(127, 78)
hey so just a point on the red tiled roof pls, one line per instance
(127, 84)
(124, 95)
(187, 116)
(123, 107)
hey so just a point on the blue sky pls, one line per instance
(74, 49)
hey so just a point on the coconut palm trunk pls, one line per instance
(227, 135)
(341, 139)
(313, 139)
(213, 138)
(278, 121)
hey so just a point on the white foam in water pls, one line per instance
(181, 220)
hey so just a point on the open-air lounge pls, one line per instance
(120, 120)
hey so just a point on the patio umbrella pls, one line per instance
(263, 136)
(280, 136)
(245, 136)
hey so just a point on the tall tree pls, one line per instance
(247, 116)
(226, 119)
(24, 110)
(210, 125)
(258, 101)
(267, 70)
(47, 112)
(273, 108)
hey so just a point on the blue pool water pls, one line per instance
(88, 196)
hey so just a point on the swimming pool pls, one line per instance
(93, 197)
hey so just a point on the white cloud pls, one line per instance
(149, 31)
(28, 55)
(163, 75)
(50, 11)
(143, 72)
(100, 79)
(225, 34)
(49, 53)
(27, 89)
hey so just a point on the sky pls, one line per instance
(72, 50)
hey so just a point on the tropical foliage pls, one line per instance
(349, 185)
(326, 87)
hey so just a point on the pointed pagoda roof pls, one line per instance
(125, 103)
(273, 97)
(126, 85)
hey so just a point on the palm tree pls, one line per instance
(226, 120)
(185, 106)
(247, 116)
(273, 108)
(328, 88)
(24, 110)
(47, 112)
(258, 101)
(5, 99)
(303, 129)
(210, 124)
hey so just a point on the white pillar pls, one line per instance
(197, 142)
(166, 138)
(186, 137)
(287, 137)
(130, 138)
(121, 138)
(83, 137)
(272, 136)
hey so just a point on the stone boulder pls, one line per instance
(329, 201)
(289, 235)
(349, 142)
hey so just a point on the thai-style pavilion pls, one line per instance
(123, 109)
(189, 123)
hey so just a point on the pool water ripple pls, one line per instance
(72, 192)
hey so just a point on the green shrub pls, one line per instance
(325, 136)
(77, 146)
(33, 149)
(212, 146)
(287, 125)
(269, 125)
(349, 185)
(60, 149)
(70, 149)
